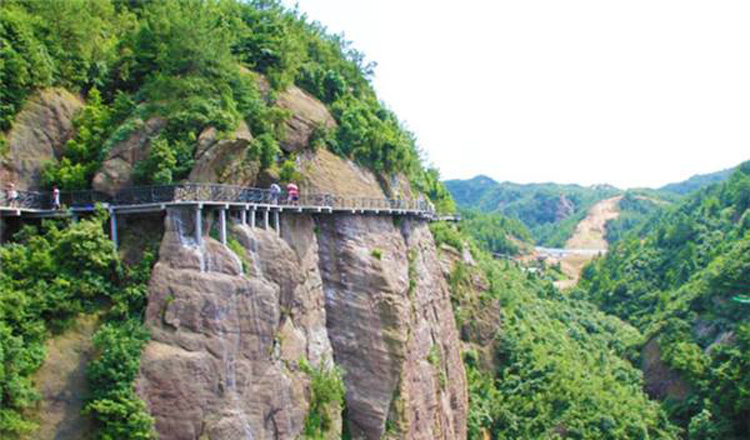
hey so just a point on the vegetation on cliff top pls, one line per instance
(675, 279)
(187, 62)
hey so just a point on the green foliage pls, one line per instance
(495, 233)
(675, 278)
(288, 172)
(377, 254)
(159, 166)
(48, 277)
(326, 397)
(264, 149)
(84, 153)
(24, 61)
(114, 404)
(634, 209)
(557, 368)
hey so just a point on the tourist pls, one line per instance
(12, 195)
(275, 193)
(293, 192)
(55, 198)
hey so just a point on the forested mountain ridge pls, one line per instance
(697, 182)
(681, 280)
(550, 211)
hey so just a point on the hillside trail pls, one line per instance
(589, 234)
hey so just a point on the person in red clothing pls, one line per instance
(293, 191)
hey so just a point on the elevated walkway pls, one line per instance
(247, 204)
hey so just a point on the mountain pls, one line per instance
(697, 182)
(551, 211)
(681, 280)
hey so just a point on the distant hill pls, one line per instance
(697, 182)
(551, 211)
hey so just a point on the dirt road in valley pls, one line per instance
(589, 234)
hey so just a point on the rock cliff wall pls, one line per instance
(228, 330)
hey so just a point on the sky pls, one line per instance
(635, 93)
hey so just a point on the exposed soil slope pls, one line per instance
(589, 235)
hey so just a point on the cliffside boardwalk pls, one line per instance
(253, 206)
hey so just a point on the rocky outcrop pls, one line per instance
(326, 173)
(226, 341)
(117, 169)
(661, 381)
(228, 331)
(62, 384)
(305, 114)
(222, 160)
(392, 329)
(38, 136)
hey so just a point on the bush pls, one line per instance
(326, 396)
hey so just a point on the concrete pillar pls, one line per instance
(198, 225)
(113, 227)
(223, 226)
(243, 216)
(252, 218)
(265, 219)
(278, 222)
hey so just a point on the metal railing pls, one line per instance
(208, 193)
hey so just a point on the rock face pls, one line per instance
(38, 136)
(306, 113)
(223, 360)
(117, 170)
(221, 160)
(228, 331)
(392, 329)
(660, 381)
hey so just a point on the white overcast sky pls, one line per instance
(628, 92)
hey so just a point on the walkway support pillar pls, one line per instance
(243, 216)
(223, 225)
(252, 218)
(113, 227)
(198, 224)
(277, 220)
(265, 219)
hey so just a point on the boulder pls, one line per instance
(117, 169)
(326, 173)
(222, 160)
(38, 136)
(306, 113)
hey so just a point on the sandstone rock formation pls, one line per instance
(306, 113)
(223, 360)
(228, 331)
(221, 160)
(117, 170)
(38, 136)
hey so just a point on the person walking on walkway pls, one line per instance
(275, 193)
(293, 192)
(12, 195)
(55, 198)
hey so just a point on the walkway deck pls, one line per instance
(244, 201)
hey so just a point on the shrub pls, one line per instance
(326, 395)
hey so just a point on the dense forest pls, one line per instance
(681, 278)
(550, 366)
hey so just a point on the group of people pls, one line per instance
(292, 191)
(14, 197)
